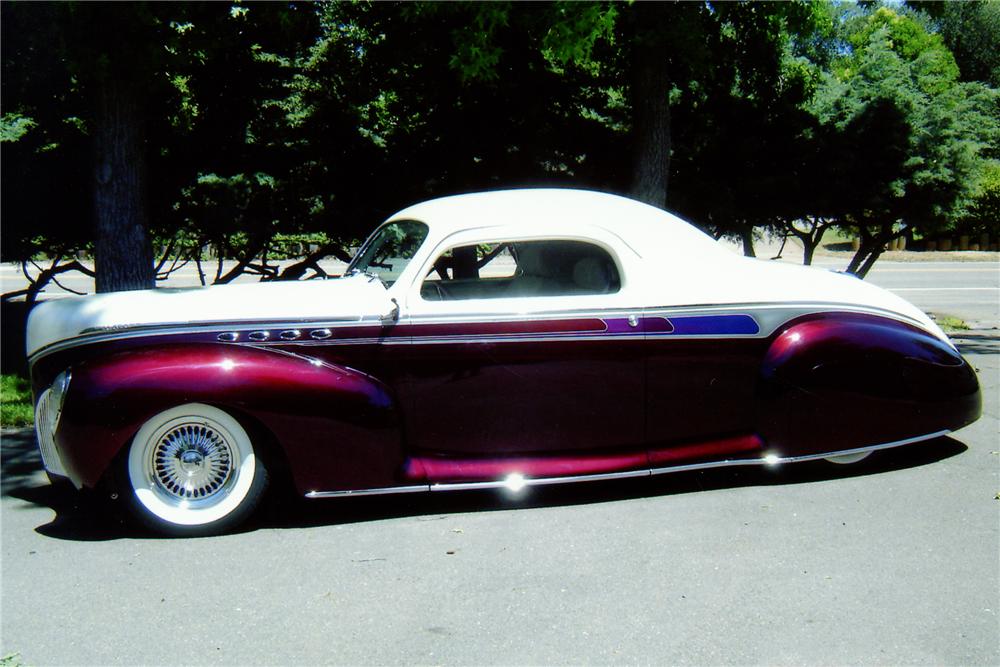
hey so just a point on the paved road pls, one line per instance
(967, 290)
(887, 562)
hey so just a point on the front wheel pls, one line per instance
(192, 470)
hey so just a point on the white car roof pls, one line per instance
(650, 230)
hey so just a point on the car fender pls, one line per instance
(335, 425)
(848, 380)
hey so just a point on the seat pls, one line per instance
(592, 276)
(533, 278)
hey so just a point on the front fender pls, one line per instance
(844, 381)
(336, 426)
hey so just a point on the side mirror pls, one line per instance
(393, 315)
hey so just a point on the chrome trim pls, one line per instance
(777, 460)
(870, 448)
(45, 426)
(539, 481)
(125, 331)
(633, 321)
(48, 412)
(228, 337)
(290, 334)
(259, 336)
(368, 492)
(769, 317)
(648, 472)
(320, 334)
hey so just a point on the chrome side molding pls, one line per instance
(368, 492)
(770, 459)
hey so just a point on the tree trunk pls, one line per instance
(650, 109)
(746, 235)
(869, 262)
(872, 247)
(123, 255)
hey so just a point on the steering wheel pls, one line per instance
(438, 293)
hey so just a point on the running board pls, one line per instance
(515, 481)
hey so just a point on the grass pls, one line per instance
(15, 402)
(11, 659)
(950, 324)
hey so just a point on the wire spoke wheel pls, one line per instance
(193, 461)
(193, 466)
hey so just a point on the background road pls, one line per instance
(969, 290)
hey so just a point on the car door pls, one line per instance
(521, 346)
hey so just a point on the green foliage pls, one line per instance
(981, 212)
(15, 402)
(576, 29)
(895, 108)
(971, 29)
(13, 126)
(476, 53)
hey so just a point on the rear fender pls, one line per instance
(337, 427)
(843, 381)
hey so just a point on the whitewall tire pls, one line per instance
(192, 470)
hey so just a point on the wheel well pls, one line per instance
(261, 437)
(269, 448)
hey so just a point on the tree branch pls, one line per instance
(311, 261)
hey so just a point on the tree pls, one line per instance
(743, 136)
(909, 134)
(153, 95)
(971, 31)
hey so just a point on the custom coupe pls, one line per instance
(492, 340)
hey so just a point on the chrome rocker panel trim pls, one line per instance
(368, 492)
(768, 460)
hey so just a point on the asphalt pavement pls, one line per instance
(890, 561)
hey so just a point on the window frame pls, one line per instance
(416, 300)
(352, 265)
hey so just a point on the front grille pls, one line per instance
(46, 415)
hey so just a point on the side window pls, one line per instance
(521, 268)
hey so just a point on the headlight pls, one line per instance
(59, 387)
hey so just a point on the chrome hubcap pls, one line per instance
(192, 461)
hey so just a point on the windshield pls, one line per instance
(389, 250)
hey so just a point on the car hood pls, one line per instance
(352, 298)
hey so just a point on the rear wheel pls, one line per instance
(192, 470)
(846, 459)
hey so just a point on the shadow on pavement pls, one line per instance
(84, 516)
(20, 462)
(977, 342)
(80, 515)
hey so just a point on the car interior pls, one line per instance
(519, 269)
